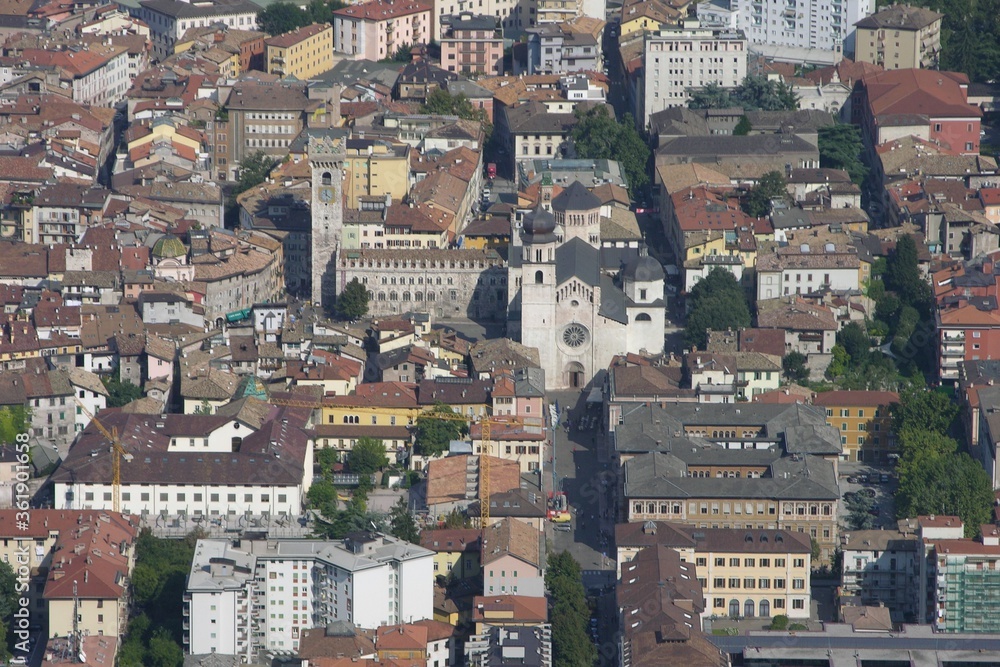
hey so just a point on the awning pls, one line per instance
(596, 395)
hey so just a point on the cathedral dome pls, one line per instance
(539, 225)
(644, 269)
(169, 246)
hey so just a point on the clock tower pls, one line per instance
(326, 160)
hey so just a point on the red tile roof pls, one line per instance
(855, 398)
(919, 91)
(384, 10)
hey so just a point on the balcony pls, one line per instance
(953, 335)
(948, 350)
(278, 59)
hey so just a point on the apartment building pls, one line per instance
(967, 321)
(65, 561)
(513, 16)
(168, 20)
(456, 551)
(512, 559)
(967, 583)
(226, 463)
(473, 44)
(563, 48)
(98, 74)
(368, 579)
(864, 422)
(883, 567)
(377, 29)
(375, 168)
(264, 116)
(678, 60)
(808, 268)
(63, 211)
(301, 53)
(811, 31)
(743, 573)
(899, 37)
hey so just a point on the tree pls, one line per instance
(352, 304)
(922, 410)
(571, 647)
(8, 605)
(456, 519)
(794, 367)
(779, 622)
(855, 342)
(163, 651)
(282, 17)
(902, 274)
(840, 147)
(946, 485)
(120, 393)
(14, 419)
(204, 409)
(597, 135)
(743, 127)
(402, 524)
(367, 456)
(401, 55)
(770, 186)
(755, 93)
(717, 303)
(839, 363)
(322, 496)
(254, 168)
(434, 433)
(326, 458)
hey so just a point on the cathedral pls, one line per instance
(564, 303)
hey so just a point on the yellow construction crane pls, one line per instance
(117, 452)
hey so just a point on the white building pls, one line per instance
(218, 600)
(514, 15)
(90, 393)
(679, 59)
(803, 270)
(230, 462)
(810, 31)
(169, 19)
(368, 579)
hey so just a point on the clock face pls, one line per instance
(326, 194)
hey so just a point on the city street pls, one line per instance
(588, 484)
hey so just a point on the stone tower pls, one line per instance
(326, 159)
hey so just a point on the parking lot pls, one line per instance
(869, 481)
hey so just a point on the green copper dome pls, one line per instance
(169, 246)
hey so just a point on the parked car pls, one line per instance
(563, 527)
(883, 478)
(852, 480)
(868, 492)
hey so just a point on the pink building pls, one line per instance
(519, 393)
(471, 44)
(378, 29)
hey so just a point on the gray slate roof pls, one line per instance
(576, 198)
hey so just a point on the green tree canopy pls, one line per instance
(367, 456)
(770, 186)
(282, 17)
(434, 433)
(597, 135)
(922, 410)
(717, 303)
(402, 523)
(794, 367)
(571, 647)
(14, 419)
(840, 147)
(254, 168)
(755, 93)
(352, 304)
(902, 274)
(120, 393)
(743, 127)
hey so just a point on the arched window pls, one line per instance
(236, 442)
(643, 317)
(381, 296)
(748, 608)
(406, 296)
(431, 296)
(538, 277)
(327, 179)
(418, 296)
(765, 609)
(393, 296)
(734, 608)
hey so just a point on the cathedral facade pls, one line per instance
(578, 314)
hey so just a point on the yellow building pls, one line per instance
(302, 53)
(376, 168)
(864, 422)
(165, 130)
(749, 573)
(643, 16)
(509, 611)
(374, 404)
(456, 551)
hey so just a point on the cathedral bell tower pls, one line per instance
(326, 160)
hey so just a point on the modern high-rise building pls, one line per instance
(681, 59)
(257, 595)
(811, 31)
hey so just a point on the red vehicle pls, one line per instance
(491, 170)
